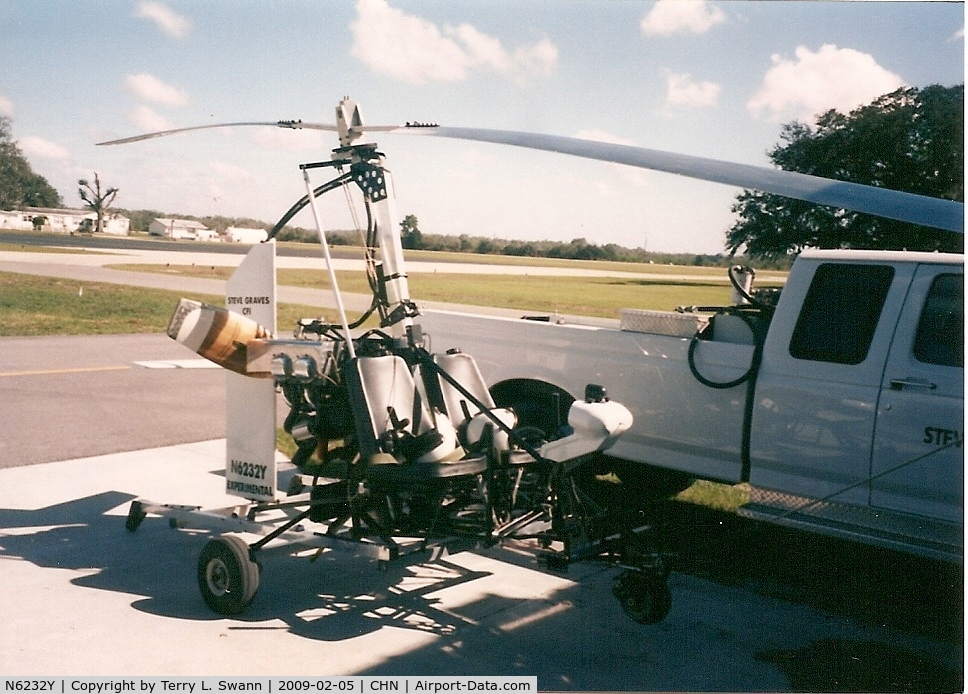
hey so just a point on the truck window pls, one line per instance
(941, 330)
(840, 313)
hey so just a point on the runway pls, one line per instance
(91, 423)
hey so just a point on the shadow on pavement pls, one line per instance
(561, 633)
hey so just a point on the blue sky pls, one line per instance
(710, 78)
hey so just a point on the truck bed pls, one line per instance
(670, 429)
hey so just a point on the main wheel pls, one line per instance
(645, 598)
(227, 576)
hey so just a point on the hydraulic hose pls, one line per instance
(749, 377)
(300, 205)
(736, 285)
(304, 200)
(754, 362)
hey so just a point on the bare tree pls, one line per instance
(95, 200)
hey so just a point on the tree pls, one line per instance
(19, 185)
(910, 140)
(95, 200)
(410, 236)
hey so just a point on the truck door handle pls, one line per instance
(902, 383)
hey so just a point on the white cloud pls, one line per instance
(166, 19)
(53, 161)
(147, 87)
(539, 59)
(481, 49)
(148, 121)
(682, 90)
(670, 17)
(6, 106)
(404, 47)
(37, 147)
(811, 83)
(415, 50)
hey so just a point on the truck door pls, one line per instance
(920, 416)
(815, 410)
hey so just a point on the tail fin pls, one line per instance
(250, 426)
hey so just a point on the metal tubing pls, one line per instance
(428, 361)
(391, 253)
(329, 266)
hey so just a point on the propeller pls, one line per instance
(881, 202)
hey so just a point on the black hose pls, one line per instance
(371, 234)
(763, 306)
(736, 285)
(749, 378)
(754, 362)
(304, 200)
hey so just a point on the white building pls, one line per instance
(180, 229)
(243, 235)
(62, 221)
(116, 224)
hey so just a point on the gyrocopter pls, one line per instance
(401, 452)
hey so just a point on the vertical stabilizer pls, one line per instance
(250, 427)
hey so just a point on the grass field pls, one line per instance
(37, 306)
(411, 255)
(583, 296)
(32, 306)
(15, 247)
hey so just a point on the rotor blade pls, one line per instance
(162, 133)
(881, 202)
(288, 124)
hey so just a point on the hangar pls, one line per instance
(180, 229)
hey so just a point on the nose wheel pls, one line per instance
(227, 576)
(644, 597)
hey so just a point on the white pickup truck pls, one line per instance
(842, 406)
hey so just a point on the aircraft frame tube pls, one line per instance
(391, 252)
(329, 264)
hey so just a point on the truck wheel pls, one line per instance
(541, 408)
(646, 599)
(227, 576)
